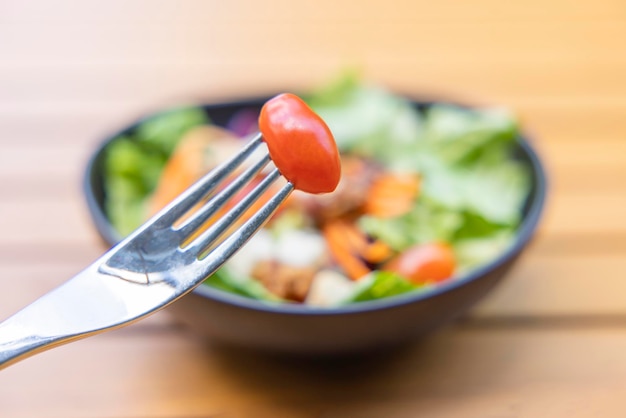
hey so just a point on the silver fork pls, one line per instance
(153, 267)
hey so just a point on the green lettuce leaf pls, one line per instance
(379, 285)
(460, 136)
(243, 286)
(368, 121)
(494, 190)
(426, 222)
(473, 252)
(133, 164)
(163, 131)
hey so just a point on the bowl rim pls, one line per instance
(525, 231)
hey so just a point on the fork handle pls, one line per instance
(19, 341)
(38, 327)
(67, 313)
(18, 349)
(88, 304)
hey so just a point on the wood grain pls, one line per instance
(549, 341)
(528, 373)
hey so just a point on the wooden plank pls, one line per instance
(602, 160)
(538, 374)
(541, 285)
(466, 372)
(548, 342)
(67, 226)
(565, 120)
(54, 160)
(591, 213)
(560, 285)
(548, 119)
(132, 88)
(195, 11)
(575, 166)
(47, 221)
(133, 371)
(492, 57)
(25, 281)
(579, 245)
(50, 222)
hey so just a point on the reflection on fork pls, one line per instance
(164, 259)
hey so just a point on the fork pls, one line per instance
(157, 264)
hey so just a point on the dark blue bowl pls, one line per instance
(361, 327)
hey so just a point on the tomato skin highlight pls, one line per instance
(424, 263)
(300, 144)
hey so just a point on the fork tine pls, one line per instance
(204, 186)
(211, 207)
(238, 238)
(209, 236)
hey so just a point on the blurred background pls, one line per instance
(72, 72)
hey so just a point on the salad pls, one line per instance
(426, 194)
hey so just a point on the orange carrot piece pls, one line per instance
(392, 195)
(377, 252)
(341, 250)
(352, 250)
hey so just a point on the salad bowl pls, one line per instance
(298, 329)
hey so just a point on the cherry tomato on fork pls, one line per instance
(300, 144)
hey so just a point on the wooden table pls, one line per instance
(549, 342)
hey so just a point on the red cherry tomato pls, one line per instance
(424, 263)
(300, 144)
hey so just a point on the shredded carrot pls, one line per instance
(377, 252)
(392, 195)
(342, 251)
(352, 250)
(182, 169)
